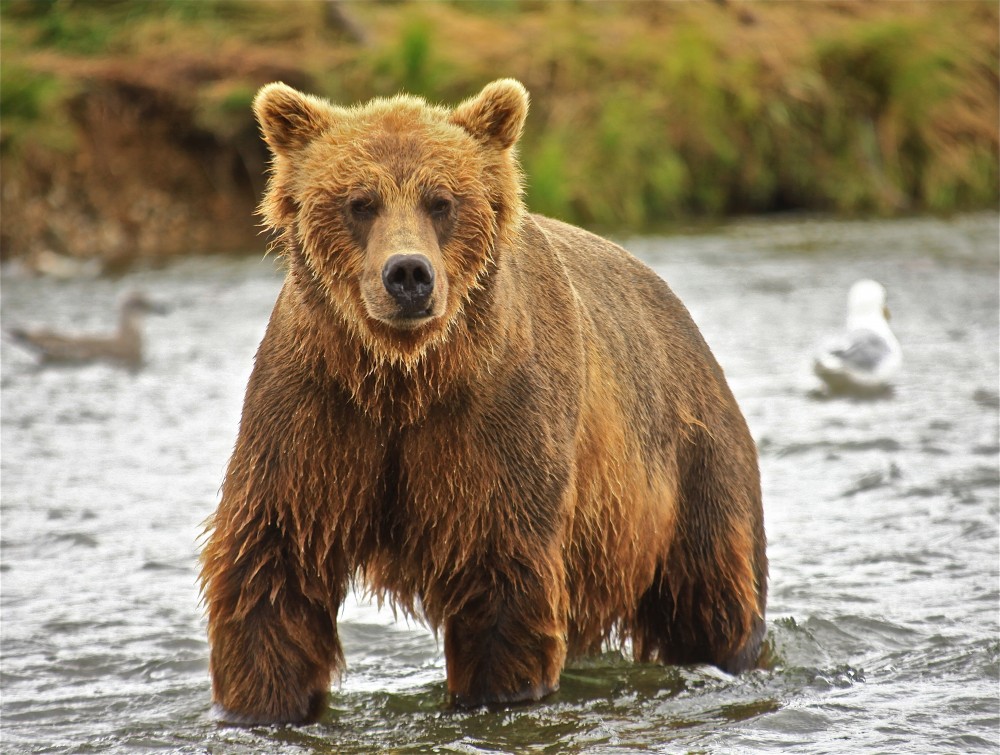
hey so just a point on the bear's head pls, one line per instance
(395, 212)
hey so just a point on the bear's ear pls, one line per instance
(496, 115)
(290, 119)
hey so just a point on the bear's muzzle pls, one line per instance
(409, 280)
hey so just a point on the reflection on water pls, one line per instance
(882, 520)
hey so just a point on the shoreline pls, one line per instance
(127, 134)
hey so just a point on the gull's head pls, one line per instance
(866, 301)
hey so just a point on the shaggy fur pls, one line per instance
(547, 460)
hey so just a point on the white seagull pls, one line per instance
(864, 359)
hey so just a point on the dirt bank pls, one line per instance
(127, 135)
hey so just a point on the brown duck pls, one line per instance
(123, 347)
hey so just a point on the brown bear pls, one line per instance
(500, 423)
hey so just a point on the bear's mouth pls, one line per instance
(411, 320)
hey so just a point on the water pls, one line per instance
(882, 520)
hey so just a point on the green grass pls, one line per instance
(640, 114)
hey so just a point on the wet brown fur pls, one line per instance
(550, 461)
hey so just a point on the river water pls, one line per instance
(882, 521)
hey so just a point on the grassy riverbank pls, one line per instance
(126, 130)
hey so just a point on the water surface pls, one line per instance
(882, 520)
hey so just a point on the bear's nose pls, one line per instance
(409, 279)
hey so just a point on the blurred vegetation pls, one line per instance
(643, 113)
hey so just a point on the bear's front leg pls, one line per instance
(274, 648)
(507, 643)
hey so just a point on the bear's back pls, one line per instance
(633, 312)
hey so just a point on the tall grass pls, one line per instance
(641, 113)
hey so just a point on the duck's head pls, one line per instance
(137, 302)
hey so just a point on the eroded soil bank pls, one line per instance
(127, 134)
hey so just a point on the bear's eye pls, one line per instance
(440, 207)
(363, 208)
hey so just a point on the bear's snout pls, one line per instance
(409, 280)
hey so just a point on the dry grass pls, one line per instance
(642, 112)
